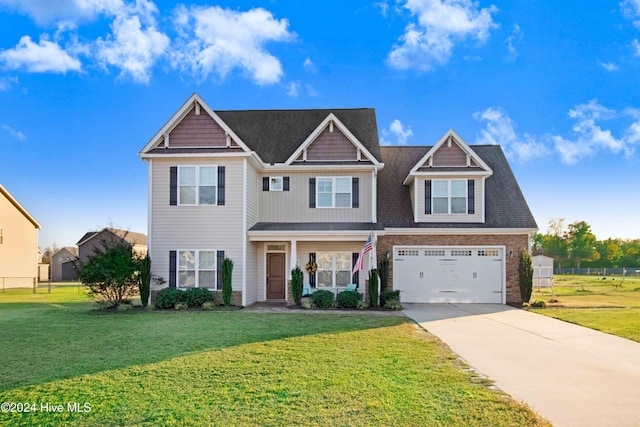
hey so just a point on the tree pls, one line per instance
(144, 280)
(111, 272)
(525, 276)
(581, 242)
(296, 285)
(227, 272)
(48, 252)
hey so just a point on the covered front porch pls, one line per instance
(325, 253)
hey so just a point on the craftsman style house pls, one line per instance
(274, 189)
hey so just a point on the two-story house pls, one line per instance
(274, 189)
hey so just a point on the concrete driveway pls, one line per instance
(571, 375)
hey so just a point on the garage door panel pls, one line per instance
(451, 274)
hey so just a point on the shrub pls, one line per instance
(227, 272)
(387, 296)
(111, 272)
(383, 270)
(322, 299)
(349, 299)
(168, 298)
(393, 305)
(539, 304)
(181, 306)
(525, 275)
(124, 307)
(209, 305)
(144, 280)
(195, 297)
(296, 285)
(373, 287)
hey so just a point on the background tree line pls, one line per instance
(576, 246)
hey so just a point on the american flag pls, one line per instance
(360, 263)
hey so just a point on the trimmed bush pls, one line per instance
(168, 298)
(390, 300)
(195, 297)
(383, 270)
(296, 285)
(144, 278)
(373, 288)
(525, 275)
(227, 272)
(322, 299)
(349, 299)
(209, 305)
(181, 306)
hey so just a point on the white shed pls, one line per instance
(542, 271)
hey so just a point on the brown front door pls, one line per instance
(275, 276)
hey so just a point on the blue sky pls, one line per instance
(84, 84)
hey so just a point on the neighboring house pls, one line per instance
(279, 188)
(96, 239)
(18, 243)
(62, 264)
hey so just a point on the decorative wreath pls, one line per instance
(311, 267)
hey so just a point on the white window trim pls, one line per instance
(197, 268)
(197, 185)
(333, 269)
(333, 192)
(281, 179)
(449, 197)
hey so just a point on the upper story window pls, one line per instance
(275, 183)
(333, 192)
(449, 196)
(197, 185)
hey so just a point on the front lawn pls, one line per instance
(191, 368)
(591, 291)
(623, 322)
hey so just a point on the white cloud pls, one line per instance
(15, 133)
(45, 56)
(631, 10)
(440, 25)
(516, 35)
(217, 41)
(636, 46)
(384, 7)
(500, 129)
(397, 131)
(609, 66)
(131, 47)
(309, 66)
(7, 82)
(292, 89)
(63, 12)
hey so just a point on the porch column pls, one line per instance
(294, 255)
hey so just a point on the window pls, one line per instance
(434, 252)
(460, 252)
(489, 252)
(334, 269)
(197, 269)
(275, 183)
(408, 252)
(449, 196)
(197, 185)
(333, 192)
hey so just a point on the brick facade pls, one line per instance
(513, 243)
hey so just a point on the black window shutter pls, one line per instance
(219, 259)
(221, 173)
(173, 185)
(172, 269)
(427, 197)
(285, 183)
(355, 192)
(312, 193)
(312, 277)
(356, 276)
(265, 183)
(471, 197)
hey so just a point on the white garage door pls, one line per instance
(449, 274)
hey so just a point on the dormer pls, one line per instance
(447, 184)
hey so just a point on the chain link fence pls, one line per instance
(602, 271)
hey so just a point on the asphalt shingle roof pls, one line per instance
(276, 134)
(505, 206)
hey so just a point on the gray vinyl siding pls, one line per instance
(332, 146)
(479, 203)
(293, 205)
(196, 227)
(253, 185)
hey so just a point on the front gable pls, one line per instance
(194, 126)
(331, 141)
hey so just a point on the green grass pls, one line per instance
(193, 368)
(592, 291)
(623, 322)
(609, 305)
